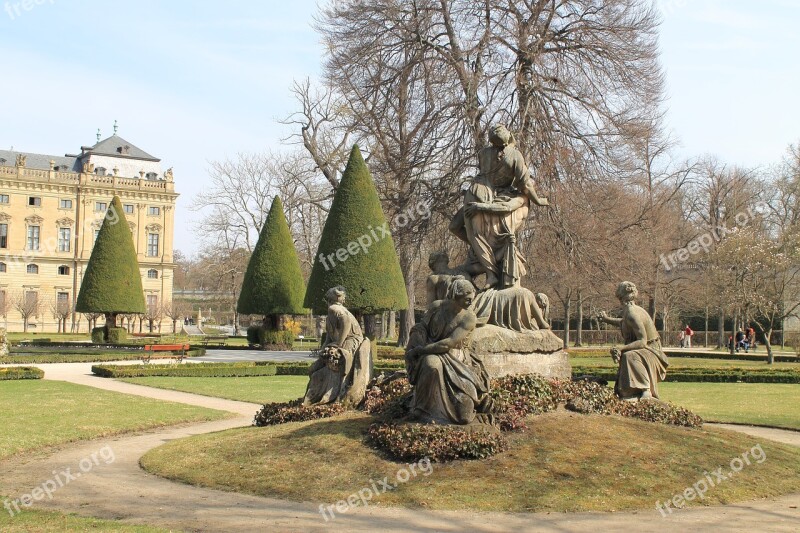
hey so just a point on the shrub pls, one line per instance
(656, 411)
(99, 335)
(412, 442)
(516, 397)
(707, 375)
(246, 369)
(280, 413)
(275, 340)
(253, 335)
(20, 372)
(386, 396)
(117, 335)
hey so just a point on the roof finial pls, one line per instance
(115, 126)
(98, 134)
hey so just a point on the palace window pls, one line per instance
(152, 274)
(33, 237)
(128, 208)
(64, 237)
(152, 301)
(154, 211)
(3, 235)
(3, 268)
(35, 201)
(152, 244)
(100, 207)
(63, 270)
(32, 269)
(3, 198)
(65, 204)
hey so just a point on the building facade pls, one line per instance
(51, 209)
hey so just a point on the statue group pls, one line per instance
(445, 364)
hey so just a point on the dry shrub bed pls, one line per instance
(515, 399)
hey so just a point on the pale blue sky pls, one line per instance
(196, 81)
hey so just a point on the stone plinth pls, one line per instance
(506, 352)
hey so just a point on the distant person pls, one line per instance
(681, 338)
(751, 337)
(687, 342)
(741, 341)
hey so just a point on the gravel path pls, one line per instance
(121, 490)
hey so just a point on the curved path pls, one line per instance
(122, 490)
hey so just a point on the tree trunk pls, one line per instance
(721, 329)
(567, 315)
(705, 336)
(579, 330)
(111, 320)
(767, 335)
(391, 331)
(369, 327)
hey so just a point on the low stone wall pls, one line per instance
(507, 352)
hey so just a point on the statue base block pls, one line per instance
(507, 352)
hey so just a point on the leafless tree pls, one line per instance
(28, 304)
(176, 310)
(62, 310)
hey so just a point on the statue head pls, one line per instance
(438, 261)
(500, 137)
(336, 295)
(627, 292)
(462, 291)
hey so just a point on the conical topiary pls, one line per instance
(112, 283)
(356, 249)
(273, 284)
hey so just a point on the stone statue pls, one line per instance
(441, 277)
(168, 174)
(451, 385)
(21, 160)
(642, 362)
(495, 207)
(342, 371)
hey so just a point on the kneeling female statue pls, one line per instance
(342, 371)
(451, 385)
(642, 362)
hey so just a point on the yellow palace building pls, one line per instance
(51, 209)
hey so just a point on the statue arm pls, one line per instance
(639, 331)
(502, 208)
(456, 338)
(603, 317)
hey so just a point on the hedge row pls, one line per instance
(217, 370)
(728, 357)
(705, 375)
(20, 372)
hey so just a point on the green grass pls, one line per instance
(39, 414)
(564, 462)
(36, 521)
(684, 362)
(247, 389)
(764, 404)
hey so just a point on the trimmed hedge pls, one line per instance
(705, 375)
(20, 372)
(194, 370)
(275, 340)
(729, 357)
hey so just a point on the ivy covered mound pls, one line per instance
(563, 461)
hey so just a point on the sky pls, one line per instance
(198, 81)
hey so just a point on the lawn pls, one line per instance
(257, 389)
(35, 521)
(685, 362)
(766, 404)
(38, 414)
(564, 462)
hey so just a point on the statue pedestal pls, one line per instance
(507, 352)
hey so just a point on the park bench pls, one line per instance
(164, 351)
(219, 340)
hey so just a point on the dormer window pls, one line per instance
(124, 150)
(100, 171)
(151, 176)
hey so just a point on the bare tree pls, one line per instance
(28, 304)
(176, 310)
(62, 310)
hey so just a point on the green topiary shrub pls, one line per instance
(412, 442)
(356, 249)
(99, 335)
(275, 340)
(117, 335)
(280, 413)
(112, 283)
(253, 338)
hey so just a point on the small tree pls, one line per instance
(176, 310)
(62, 310)
(112, 283)
(27, 304)
(356, 250)
(273, 283)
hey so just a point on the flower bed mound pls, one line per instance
(564, 461)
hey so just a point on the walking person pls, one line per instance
(681, 338)
(687, 343)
